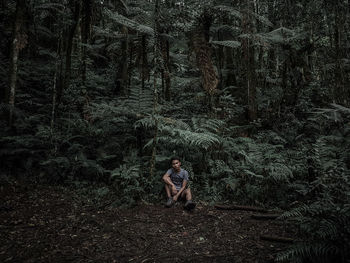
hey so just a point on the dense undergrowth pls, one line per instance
(300, 165)
(115, 144)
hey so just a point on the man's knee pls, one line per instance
(186, 192)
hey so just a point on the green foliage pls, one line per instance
(324, 219)
(296, 150)
(231, 44)
(324, 224)
(230, 10)
(262, 173)
(122, 20)
(178, 134)
(128, 183)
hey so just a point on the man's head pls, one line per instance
(175, 163)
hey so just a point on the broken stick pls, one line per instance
(240, 207)
(277, 239)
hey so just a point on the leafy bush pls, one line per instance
(324, 218)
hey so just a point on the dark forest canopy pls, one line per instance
(254, 96)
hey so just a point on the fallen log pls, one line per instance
(277, 239)
(265, 217)
(240, 207)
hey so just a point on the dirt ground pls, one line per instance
(51, 224)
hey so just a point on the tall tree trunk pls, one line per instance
(157, 69)
(201, 47)
(131, 64)
(54, 97)
(339, 87)
(249, 62)
(64, 80)
(220, 57)
(18, 42)
(121, 79)
(142, 61)
(86, 20)
(85, 34)
(230, 68)
(166, 71)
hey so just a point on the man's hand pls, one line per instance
(175, 197)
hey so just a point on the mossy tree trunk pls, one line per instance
(144, 61)
(121, 80)
(86, 19)
(67, 43)
(249, 62)
(86, 22)
(202, 50)
(157, 70)
(340, 90)
(166, 71)
(19, 41)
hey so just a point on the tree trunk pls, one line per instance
(142, 61)
(18, 42)
(339, 87)
(230, 68)
(249, 61)
(64, 79)
(201, 47)
(166, 71)
(157, 54)
(54, 97)
(85, 34)
(220, 57)
(121, 80)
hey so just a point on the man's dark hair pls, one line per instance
(174, 158)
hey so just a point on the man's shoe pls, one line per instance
(189, 205)
(170, 202)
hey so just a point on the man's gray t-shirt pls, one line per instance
(178, 178)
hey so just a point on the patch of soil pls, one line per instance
(51, 224)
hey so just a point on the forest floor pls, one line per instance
(40, 223)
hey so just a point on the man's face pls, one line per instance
(176, 165)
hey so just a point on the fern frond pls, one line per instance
(227, 43)
(201, 140)
(299, 252)
(147, 122)
(341, 108)
(48, 6)
(261, 19)
(279, 172)
(122, 20)
(253, 174)
(230, 10)
(203, 125)
(44, 31)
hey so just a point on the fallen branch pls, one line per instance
(17, 226)
(277, 239)
(265, 217)
(240, 207)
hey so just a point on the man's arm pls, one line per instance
(184, 183)
(167, 180)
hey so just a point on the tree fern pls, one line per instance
(122, 20)
(229, 10)
(279, 172)
(304, 250)
(128, 184)
(56, 7)
(227, 43)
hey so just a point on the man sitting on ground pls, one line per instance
(176, 180)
